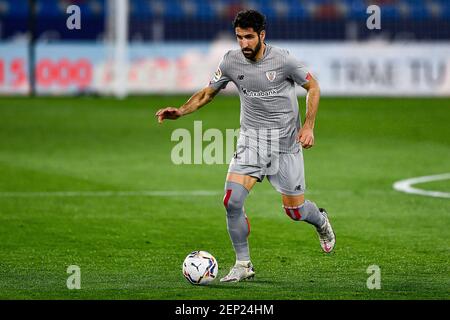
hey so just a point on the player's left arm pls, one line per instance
(306, 133)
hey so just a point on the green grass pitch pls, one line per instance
(132, 246)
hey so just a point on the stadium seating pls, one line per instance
(213, 9)
(179, 14)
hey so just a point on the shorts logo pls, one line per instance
(298, 188)
(271, 75)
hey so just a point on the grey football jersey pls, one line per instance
(269, 105)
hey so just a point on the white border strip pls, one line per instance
(406, 186)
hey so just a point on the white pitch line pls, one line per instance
(156, 193)
(406, 186)
(108, 194)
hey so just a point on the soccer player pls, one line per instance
(271, 137)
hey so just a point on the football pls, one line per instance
(200, 268)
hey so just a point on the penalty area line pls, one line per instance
(406, 186)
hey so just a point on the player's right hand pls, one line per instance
(168, 113)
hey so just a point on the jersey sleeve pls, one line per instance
(296, 71)
(220, 79)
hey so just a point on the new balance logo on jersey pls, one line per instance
(241, 77)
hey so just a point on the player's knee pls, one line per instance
(233, 202)
(294, 212)
(234, 197)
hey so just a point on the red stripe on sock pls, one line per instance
(227, 197)
(298, 216)
(287, 212)
(248, 224)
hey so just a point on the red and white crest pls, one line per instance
(271, 75)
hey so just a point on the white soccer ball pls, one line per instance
(200, 267)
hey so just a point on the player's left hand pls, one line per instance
(306, 137)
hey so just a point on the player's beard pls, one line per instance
(251, 54)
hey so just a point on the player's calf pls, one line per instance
(237, 222)
(310, 213)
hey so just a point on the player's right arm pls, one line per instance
(198, 100)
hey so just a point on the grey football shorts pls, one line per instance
(285, 171)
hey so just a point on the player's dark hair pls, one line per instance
(250, 19)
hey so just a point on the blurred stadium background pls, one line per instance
(87, 179)
(187, 20)
(173, 46)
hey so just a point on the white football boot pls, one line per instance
(326, 234)
(241, 271)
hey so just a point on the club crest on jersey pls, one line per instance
(271, 75)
